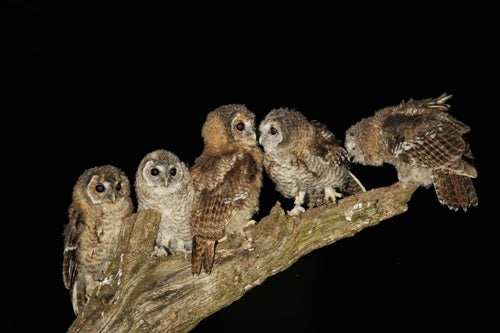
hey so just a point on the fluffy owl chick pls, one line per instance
(101, 203)
(424, 143)
(227, 177)
(304, 159)
(163, 183)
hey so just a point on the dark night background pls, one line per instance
(89, 85)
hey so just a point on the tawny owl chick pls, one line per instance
(424, 143)
(304, 159)
(101, 203)
(227, 177)
(163, 183)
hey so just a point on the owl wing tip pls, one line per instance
(202, 256)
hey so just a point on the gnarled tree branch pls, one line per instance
(148, 294)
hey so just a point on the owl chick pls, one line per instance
(304, 159)
(424, 143)
(163, 183)
(227, 177)
(101, 202)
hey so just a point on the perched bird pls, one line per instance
(305, 160)
(424, 143)
(101, 203)
(163, 183)
(227, 177)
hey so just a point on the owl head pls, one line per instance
(362, 144)
(283, 127)
(159, 173)
(229, 124)
(105, 185)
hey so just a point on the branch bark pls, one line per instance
(148, 294)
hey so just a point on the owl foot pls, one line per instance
(296, 211)
(159, 252)
(331, 194)
(181, 248)
(250, 223)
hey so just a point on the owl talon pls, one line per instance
(159, 252)
(250, 223)
(332, 195)
(296, 211)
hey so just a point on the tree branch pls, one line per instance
(148, 294)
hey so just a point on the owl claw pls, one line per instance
(296, 211)
(331, 194)
(159, 252)
(250, 223)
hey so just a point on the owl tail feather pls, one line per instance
(203, 255)
(353, 185)
(454, 191)
(78, 297)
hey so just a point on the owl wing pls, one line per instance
(421, 133)
(327, 153)
(221, 183)
(72, 235)
(326, 147)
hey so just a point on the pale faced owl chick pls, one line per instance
(304, 159)
(227, 177)
(424, 143)
(163, 183)
(101, 203)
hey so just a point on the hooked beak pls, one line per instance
(166, 181)
(113, 197)
(260, 140)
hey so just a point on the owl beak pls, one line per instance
(166, 181)
(113, 197)
(260, 140)
(254, 136)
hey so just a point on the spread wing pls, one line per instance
(72, 234)
(422, 133)
(222, 184)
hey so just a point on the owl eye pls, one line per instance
(273, 131)
(100, 188)
(118, 186)
(173, 171)
(154, 172)
(240, 126)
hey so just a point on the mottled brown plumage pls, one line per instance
(227, 178)
(425, 144)
(101, 203)
(305, 160)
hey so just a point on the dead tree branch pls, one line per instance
(148, 294)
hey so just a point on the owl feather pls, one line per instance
(425, 144)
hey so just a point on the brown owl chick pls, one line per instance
(101, 202)
(305, 160)
(227, 178)
(424, 143)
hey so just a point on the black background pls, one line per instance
(90, 85)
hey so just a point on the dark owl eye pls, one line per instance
(173, 171)
(118, 186)
(100, 188)
(240, 126)
(273, 131)
(154, 172)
